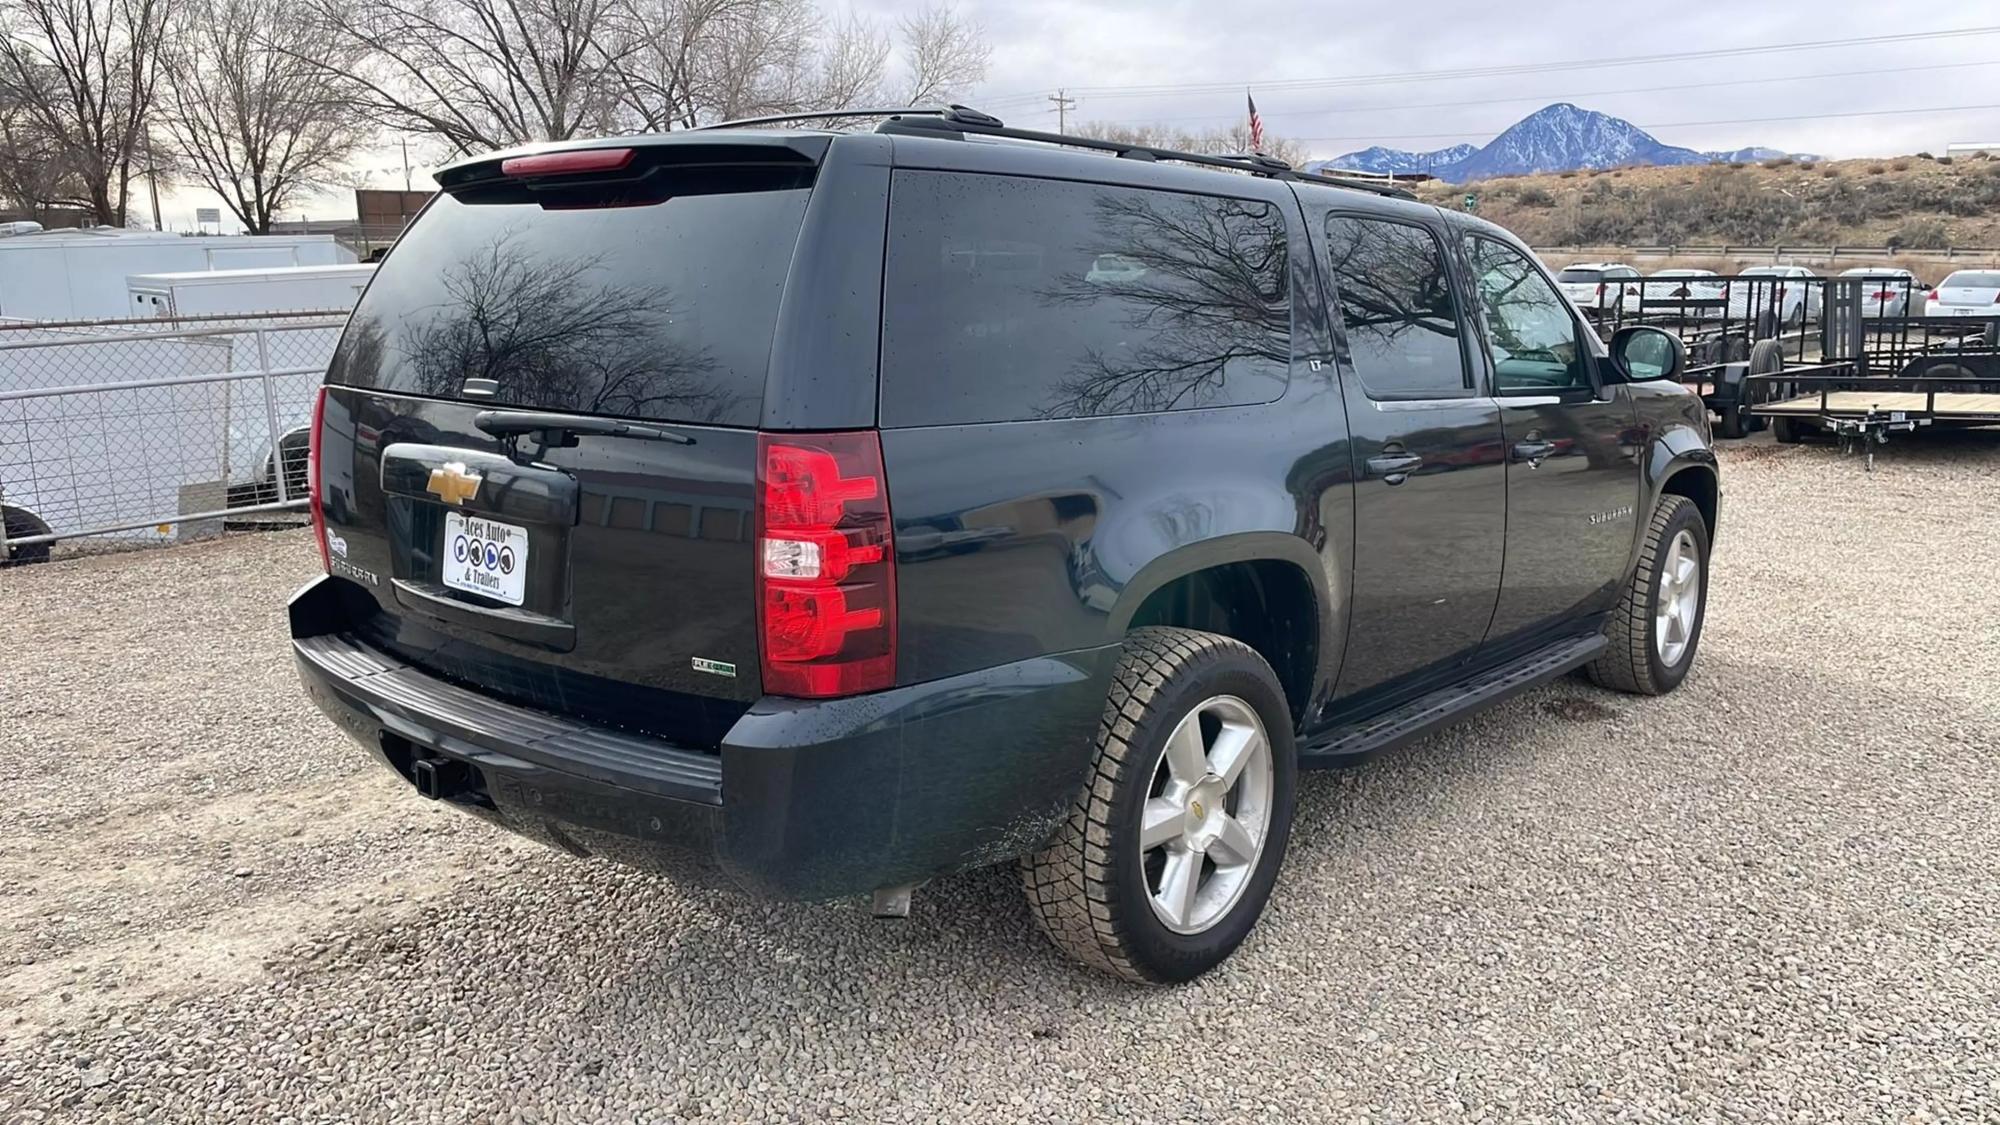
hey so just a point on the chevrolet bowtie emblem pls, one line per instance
(453, 483)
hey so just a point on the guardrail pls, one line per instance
(154, 430)
(1777, 255)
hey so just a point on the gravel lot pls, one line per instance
(1772, 896)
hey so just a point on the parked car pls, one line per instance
(1890, 296)
(1784, 297)
(1697, 292)
(1595, 286)
(1965, 293)
(636, 545)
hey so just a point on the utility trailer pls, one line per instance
(1880, 375)
(1734, 327)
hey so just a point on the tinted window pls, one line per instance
(1970, 280)
(1529, 328)
(1011, 298)
(1581, 277)
(1395, 299)
(659, 310)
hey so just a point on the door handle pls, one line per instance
(1533, 451)
(1394, 468)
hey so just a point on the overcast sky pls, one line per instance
(1394, 60)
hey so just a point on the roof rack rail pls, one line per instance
(957, 113)
(961, 121)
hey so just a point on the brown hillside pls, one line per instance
(1910, 202)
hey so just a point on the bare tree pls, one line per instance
(479, 74)
(947, 55)
(1213, 142)
(34, 174)
(250, 118)
(80, 75)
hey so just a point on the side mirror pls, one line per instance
(1642, 354)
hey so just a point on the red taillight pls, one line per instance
(315, 445)
(1600, 292)
(1933, 295)
(1885, 295)
(567, 163)
(826, 565)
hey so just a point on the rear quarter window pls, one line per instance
(1009, 299)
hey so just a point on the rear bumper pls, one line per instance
(804, 800)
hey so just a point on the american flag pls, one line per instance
(1256, 125)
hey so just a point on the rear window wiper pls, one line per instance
(563, 429)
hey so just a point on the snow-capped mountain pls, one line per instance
(1395, 160)
(1557, 138)
(1561, 137)
(1756, 154)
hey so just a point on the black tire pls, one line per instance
(20, 524)
(1990, 335)
(1633, 662)
(1765, 326)
(1733, 421)
(1090, 887)
(1735, 349)
(1788, 431)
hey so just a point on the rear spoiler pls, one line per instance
(749, 148)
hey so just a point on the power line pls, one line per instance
(1545, 98)
(1687, 124)
(1163, 89)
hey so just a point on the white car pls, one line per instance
(1891, 295)
(1600, 285)
(1700, 292)
(1789, 292)
(1966, 293)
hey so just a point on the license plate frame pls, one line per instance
(500, 570)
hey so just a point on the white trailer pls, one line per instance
(81, 274)
(221, 292)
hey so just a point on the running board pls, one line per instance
(1350, 743)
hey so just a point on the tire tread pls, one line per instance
(1069, 883)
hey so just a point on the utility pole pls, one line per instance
(1063, 106)
(406, 163)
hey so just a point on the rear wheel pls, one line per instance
(20, 524)
(1656, 627)
(1788, 431)
(1168, 855)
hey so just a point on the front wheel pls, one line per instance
(1168, 855)
(1656, 627)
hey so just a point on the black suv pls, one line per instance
(853, 508)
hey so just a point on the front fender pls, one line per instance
(1677, 442)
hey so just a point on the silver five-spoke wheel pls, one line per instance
(1208, 814)
(1679, 599)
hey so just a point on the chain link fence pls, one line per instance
(154, 430)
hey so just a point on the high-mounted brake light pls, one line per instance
(826, 567)
(566, 163)
(315, 446)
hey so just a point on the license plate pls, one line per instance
(486, 557)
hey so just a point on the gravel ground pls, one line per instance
(1774, 895)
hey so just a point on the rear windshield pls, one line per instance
(664, 310)
(1972, 280)
(1581, 276)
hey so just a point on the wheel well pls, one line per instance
(1699, 485)
(1266, 604)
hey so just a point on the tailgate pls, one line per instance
(552, 386)
(619, 571)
